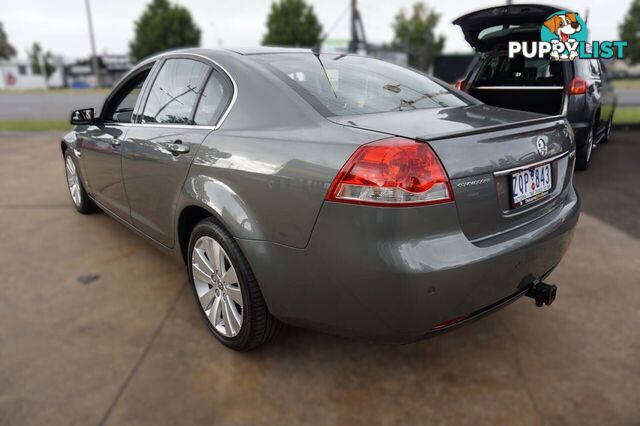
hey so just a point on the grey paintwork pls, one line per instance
(264, 173)
(393, 274)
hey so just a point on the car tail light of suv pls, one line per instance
(578, 86)
(392, 172)
(461, 85)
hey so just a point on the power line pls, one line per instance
(337, 21)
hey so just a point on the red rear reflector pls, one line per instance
(578, 87)
(392, 172)
(447, 323)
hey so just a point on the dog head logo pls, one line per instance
(567, 29)
(563, 26)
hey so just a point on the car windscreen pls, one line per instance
(338, 84)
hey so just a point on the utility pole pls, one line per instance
(353, 44)
(357, 30)
(94, 56)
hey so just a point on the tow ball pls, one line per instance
(542, 293)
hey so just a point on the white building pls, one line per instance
(17, 74)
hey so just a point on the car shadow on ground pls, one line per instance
(610, 188)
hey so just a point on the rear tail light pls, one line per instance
(461, 85)
(578, 86)
(392, 172)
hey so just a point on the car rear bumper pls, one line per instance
(394, 274)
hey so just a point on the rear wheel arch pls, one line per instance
(596, 116)
(189, 217)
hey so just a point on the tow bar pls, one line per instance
(542, 293)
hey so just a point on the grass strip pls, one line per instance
(34, 125)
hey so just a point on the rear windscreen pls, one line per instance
(509, 31)
(348, 85)
(520, 71)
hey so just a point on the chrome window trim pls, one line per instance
(528, 166)
(224, 115)
(518, 87)
(170, 126)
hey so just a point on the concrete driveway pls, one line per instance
(96, 326)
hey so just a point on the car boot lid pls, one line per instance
(443, 123)
(519, 22)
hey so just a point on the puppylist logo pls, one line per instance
(564, 37)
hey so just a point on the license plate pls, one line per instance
(530, 185)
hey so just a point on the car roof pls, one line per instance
(211, 52)
(268, 49)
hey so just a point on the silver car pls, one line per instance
(329, 191)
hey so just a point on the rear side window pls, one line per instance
(348, 85)
(214, 100)
(520, 71)
(595, 68)
(174, 92)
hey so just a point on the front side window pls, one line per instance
(120, 108)
(174, 92)
(346, 85)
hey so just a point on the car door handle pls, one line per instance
(115, 142)
(178, 148)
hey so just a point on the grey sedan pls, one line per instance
(329, 191)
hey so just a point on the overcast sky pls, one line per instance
(61, 25)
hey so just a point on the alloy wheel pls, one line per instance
(217, 286)
(72, 181)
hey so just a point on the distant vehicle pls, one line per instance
(579, 89)
(336, 192)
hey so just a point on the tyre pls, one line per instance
(583, 157)
(607, 131)
(226, 289)
(79, 197)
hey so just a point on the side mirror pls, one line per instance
(84, 116)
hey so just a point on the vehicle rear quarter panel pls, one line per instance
(270, 184)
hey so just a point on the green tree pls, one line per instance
(415, 35)
(163, 26)
(292, 23)
(630, 32)
(6, 50)
(38, 58)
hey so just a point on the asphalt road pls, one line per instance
(52, 105)
(97, 326)
(55, 105)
